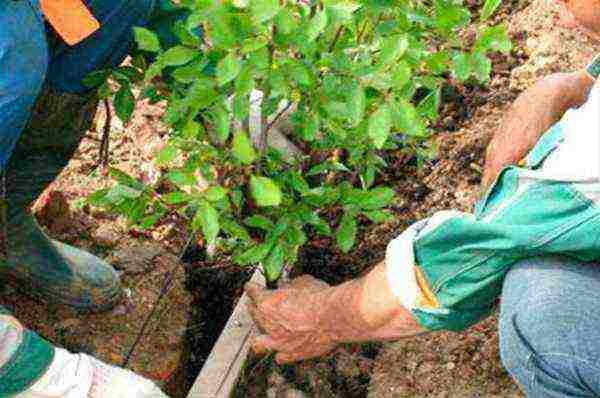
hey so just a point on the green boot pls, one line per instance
(38, 265)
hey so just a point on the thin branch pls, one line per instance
(278, 116)
(335, 39)
(104, 142)
(360, 33)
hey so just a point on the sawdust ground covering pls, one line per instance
(194, 309)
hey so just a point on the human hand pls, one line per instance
(290, 319)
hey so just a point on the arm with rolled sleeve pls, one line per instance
(446, 272)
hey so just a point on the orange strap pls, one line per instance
(70, 18)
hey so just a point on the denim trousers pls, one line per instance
(550, 327)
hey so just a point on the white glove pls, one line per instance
(82, 376)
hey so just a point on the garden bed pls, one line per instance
(194, 309)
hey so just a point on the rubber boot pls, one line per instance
(37, 265)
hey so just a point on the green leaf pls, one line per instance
(320, 225)
(177, 56)
(228, 69)
(190, 72)
(124, 103)
(315, 26)
(98, 198)
(151, 220)
(258, 221)
(241, 107)
(146, 39)
(461, 66)
(300, 73)
(494, 38)
(367, 176)
(252, 44)
(126, 179)
(379, 216)
(321, 196)
(235, 230)
(357, 102)
(297, 182)
(488, 8)
(380, 124)
(482, 67)
(450, 16)
(265, 191)
(95, 78)
(393, 48)
(377, 198)
(310, 129)
(244, 83)
(181, 178)
(273, 264)
(263, 10)
(407, 119)
(242, 148)
(222, 124)
(295, 236)
(329, 165)
(175, 198)
(214, 194)
(165, 155)
(401, 74)
(342, 12)
(429, 106)
(346, 233)
(285, 21)
(253, 255)
(120, 192)
(207, 219)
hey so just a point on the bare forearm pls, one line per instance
(532, 114)
(366, 309)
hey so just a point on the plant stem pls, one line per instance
(278, 116)
(360, 33)
(335, 39)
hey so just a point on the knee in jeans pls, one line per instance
(539, 349)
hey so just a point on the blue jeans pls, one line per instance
(550, 327)
(27, 59)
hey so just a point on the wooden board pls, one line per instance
(220, 373)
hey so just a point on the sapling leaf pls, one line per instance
(263, 10)
(316, 25)
(214, 194)
(489, 7)
(346, 233)
(207, 219)
(176, 56)
(265, 191)
(253, 255)
(380, 124)
(259, 221)
(273, 264)
(228, 69)
(124, 103)
(379, 216)
(146, 39)
(242, 148)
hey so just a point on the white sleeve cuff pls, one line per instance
(400, 258)
(400, 268)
